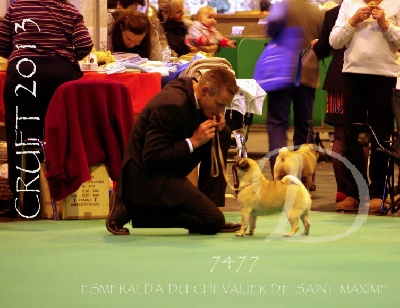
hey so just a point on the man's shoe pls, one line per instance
(347, 205)
(230, 227)
(117, 217)
(375, 205)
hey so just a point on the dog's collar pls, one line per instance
(251, 183)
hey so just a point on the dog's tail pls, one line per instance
(283, 151)
(291, 179)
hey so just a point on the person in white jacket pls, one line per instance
(371, 33)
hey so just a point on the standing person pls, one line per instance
(333, 84)
(170, 14)
(169, 138)
(292, 24)
(43, 41)
(132, 32)
(371, 34)
(396, 110)
(203, 31)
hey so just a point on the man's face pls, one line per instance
(216, 104)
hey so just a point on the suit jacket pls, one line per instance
(157, 157)
(333, 80)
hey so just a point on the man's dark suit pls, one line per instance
(158, 159)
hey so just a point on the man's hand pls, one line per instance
(204, 133)
(221, 122)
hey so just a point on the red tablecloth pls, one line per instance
(142, 86)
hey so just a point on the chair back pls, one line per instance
(87, 122)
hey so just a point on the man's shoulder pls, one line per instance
(177, 90)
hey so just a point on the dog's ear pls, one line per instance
(243, 164)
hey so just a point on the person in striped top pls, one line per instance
(43, 41)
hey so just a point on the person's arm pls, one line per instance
(223, 41)
(389, 25)
(156, 48)
(165, 143)
(81, 39)
(322, 48)
(177, 43)
(5, 37)
(344, 28)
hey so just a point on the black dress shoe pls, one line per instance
(230, 227)
(117, 217)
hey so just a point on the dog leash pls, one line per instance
(216, 155)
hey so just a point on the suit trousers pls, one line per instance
(200, 212)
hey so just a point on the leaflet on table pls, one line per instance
(133, 58)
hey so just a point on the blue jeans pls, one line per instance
(278, 111)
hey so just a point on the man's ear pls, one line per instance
(204, 90)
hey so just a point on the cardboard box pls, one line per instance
(3, 64)
(90, 201)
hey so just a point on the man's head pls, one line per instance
(215, 91)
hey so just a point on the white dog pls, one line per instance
(258, 196)
(300, 163)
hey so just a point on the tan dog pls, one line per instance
(300, 163)
(258, 196)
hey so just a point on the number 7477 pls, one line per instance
(230, 262)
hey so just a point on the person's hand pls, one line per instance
(378, 14)
(313, 42)
(231, 43)
(221, 122)
(194, 49)
(360, 15)
(203, 133)
(205, 41)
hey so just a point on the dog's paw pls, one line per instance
(288, 234)
(241, 234)
(250, 233)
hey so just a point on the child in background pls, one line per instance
(203, 31)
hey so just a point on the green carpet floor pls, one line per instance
(348, 260)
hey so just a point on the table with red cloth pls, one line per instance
(142, 86)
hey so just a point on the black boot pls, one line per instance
(117, 217)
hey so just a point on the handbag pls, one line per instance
(308, 69)
(277, 65)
